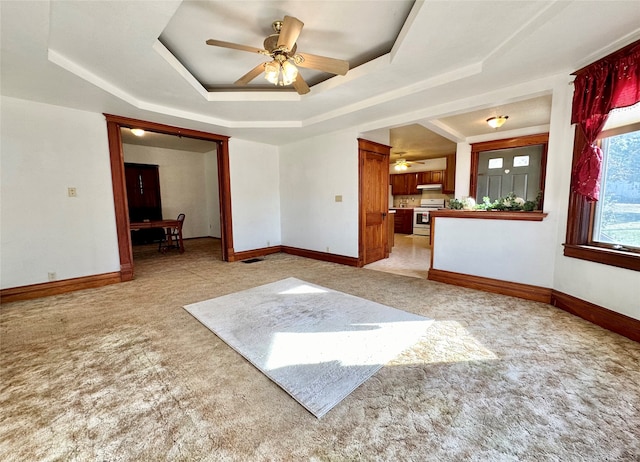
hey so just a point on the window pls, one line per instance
(608, 231)
(602, 223)
(495, 163)
(521, 161)
(616, 220)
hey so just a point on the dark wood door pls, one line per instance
(143, 196)
(143, 192)
(374, 201)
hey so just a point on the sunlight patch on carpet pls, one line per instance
(318, 344)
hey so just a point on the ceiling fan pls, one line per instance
(281, 48)
(403, 164)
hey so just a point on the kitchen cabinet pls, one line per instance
(403, 221)
(431, 177)
(398, 185)
(404, 184)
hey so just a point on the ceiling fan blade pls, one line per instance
(322, 63)
(234, 46)
(291, 28)
(249, 76)
(300, 85)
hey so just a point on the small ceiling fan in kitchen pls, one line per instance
(403, 164)
(281, 48)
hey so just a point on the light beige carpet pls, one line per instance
(124, 373)
(318, 344)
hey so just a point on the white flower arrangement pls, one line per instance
(510, 202)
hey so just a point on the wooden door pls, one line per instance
(504, 171)
(143, 195)
(143, 192)
(374, 203)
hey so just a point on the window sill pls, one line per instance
(484, 215)
(619, 258)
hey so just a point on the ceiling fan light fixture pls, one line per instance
(497, 122)
(401, 165)
(289, 73)
(271, 71)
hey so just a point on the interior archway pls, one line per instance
(114, 124)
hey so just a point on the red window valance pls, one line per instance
(610, 83)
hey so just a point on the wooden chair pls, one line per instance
(173, 237)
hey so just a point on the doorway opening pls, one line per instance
(115, 124)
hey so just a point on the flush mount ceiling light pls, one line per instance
(137, 131)
(497, 122)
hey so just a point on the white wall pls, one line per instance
(463, 170)
(312, 173)
(614, 288)
(515, 251)
(186, 182)
(255, 195)
(532, 252)
(45, 150)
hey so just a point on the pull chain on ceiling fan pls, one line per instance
(281, 48)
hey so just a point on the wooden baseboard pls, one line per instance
(341, 259)
(603, 317)
(514, 289)
(47, 289)
(245, 255)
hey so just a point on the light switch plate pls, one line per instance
(72, 192)
(338, 198)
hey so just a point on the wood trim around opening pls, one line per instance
(580, 227)
(489, 215)
(509, 143)
(116, 156)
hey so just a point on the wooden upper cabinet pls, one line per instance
(431, 177)
(412, 183)
(404, 184)
(398, 185)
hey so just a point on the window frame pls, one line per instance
(579, 239)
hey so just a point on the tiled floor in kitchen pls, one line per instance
(410, 256)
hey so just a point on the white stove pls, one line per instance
(421, 222)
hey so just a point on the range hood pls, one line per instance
(430, 187)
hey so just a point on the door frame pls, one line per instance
(378, 148)
(508, 143)
(116, 156)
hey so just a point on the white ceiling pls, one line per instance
(446, 60)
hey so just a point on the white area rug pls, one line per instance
(316, 343)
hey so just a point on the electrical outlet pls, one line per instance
(52, 275)
(327, 248)
(268, 243)
(72, 192)
(339, 198)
